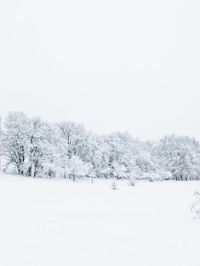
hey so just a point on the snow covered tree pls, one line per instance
(98, 155)
(72, 137)
(72, 145)
(121, 154)
(26, 143)
(180, 156)
(35, 148)
(15, 141)
(39, 146)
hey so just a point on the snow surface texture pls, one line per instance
(58, 222)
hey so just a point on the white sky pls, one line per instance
(110, 64)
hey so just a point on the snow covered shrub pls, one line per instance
(133, 176)
(195, 206)
(114, 185)
(132, 182)
(77, 168)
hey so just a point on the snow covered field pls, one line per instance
(61, 223)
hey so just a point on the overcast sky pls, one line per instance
(110, 64)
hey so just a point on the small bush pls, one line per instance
(114, 185)
(132, 182)
(195, 206)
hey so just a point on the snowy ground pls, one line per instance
(61, 223)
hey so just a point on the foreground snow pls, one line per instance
(61, 223)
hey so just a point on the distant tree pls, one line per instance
(40, 142)
(121, 154)
(72, 137)
(31, 146)
(180, 156)
(15, 141)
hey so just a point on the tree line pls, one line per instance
(33, 147)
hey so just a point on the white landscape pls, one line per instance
(60, 222)
(99, 133)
